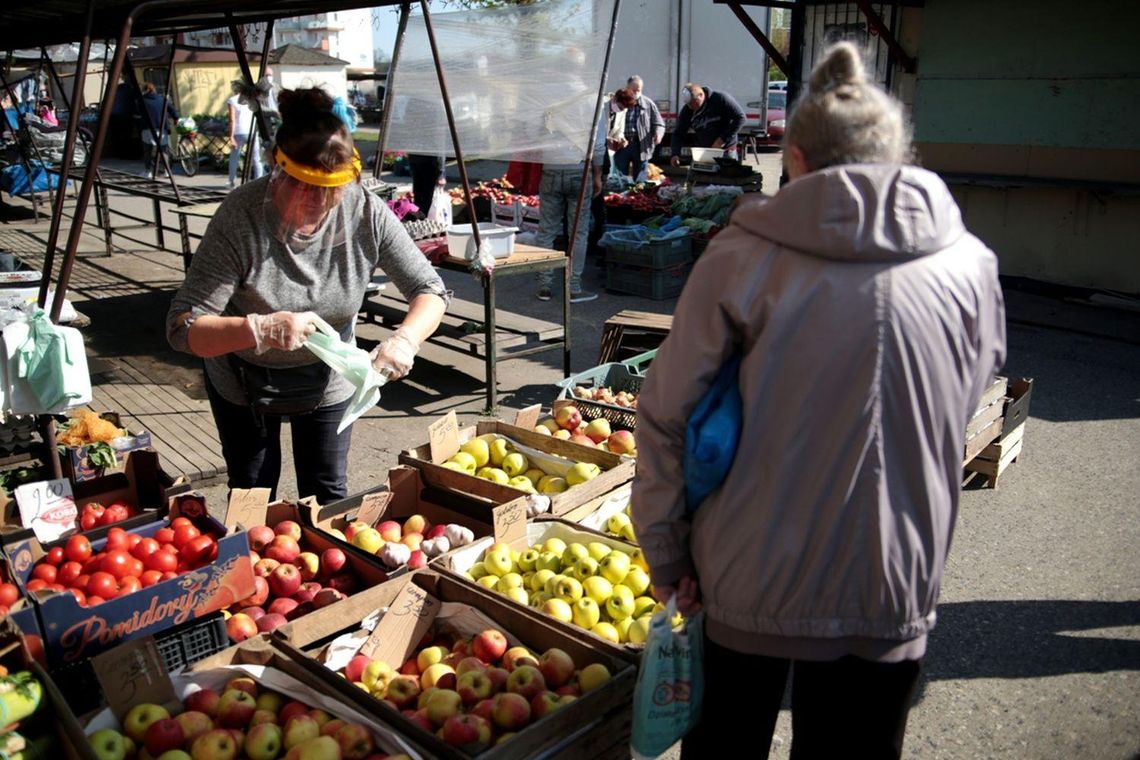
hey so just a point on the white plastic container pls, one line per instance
(707, 155)
(461, 243)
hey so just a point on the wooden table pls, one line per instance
(502, 336)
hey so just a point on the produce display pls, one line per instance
(592, 585)
(493, 457)
(126, 563)
(26, 732)
(86, 428)
(94, 515)
(243, 721)
(475, 692)
(607, 395)
(567, 424)
(411, 544)
(290, 580)
(643, 198)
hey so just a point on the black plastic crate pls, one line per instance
(655, 254)
(657, 284)
(181, 645)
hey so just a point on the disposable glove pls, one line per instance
(281, 330)
(394, 357)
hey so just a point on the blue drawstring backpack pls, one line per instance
(712, 435)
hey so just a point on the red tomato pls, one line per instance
(88, 521)
(162, 562)
(117, 563)
(94, 510)
(115, 513)
(68, 572)
(55, 556)
(130, 585)
(36, 584)
(79, 596)
(9, 594)
(117, 538)
(164, 535)
(46, 573)
(78, 549)
(150, 577)
(184, 533)
(200, 551)
(94, 565)
(178, 522)
(144, 548)
(133, 541)
(56, 587)
(169, 575)
(94, 600)
(81, 581)
(137, 567)
(102, 585)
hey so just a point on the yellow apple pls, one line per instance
(518, 595)
(539, 579)
(598, 550)
(542, 429)
(637, 580)
(607, 631)
(478, 449)
(534, 475)
(498, 451)
(493, 474)
(620, 604)
(563, 434)
(558, 609)
(522, 483)
(582, 472)
(614, 566)
(515, 464)
(597, 588)
(465, 460)
(552, 484)
(586, 613)
(554, 544)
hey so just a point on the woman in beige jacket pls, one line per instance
(868, 321)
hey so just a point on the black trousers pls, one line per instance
(426, 171)
(843, 708)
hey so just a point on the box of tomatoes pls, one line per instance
(91, 595)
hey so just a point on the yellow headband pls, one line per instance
(307, 174)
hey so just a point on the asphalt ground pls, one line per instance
(1037, 649)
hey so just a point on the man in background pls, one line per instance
(715, 117)
(644, 129)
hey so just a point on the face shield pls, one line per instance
(302, 196)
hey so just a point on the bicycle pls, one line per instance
(185, 152)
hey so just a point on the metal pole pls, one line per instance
(73, 108)
(585, 182)
(386, 116)
(775, 55)
(451, 126)
(262, 128)
(158, 153)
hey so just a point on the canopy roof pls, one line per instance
(32, 23)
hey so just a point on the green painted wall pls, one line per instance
(1030, 72)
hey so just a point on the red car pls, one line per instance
(777, 107)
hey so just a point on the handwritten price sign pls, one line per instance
(408, 618)
(48, 508)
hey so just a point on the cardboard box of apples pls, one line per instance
(465, 675)
(519, 459)
(577, 576)
(411, 519)
(250, 701)
(297, 569)
(94, 595)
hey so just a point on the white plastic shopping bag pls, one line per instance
(440, 210)
(670, 683)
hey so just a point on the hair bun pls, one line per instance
(843, 65)
(305, 104)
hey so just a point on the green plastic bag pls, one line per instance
(670, 683)
(351, 363)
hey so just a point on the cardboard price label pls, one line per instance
(48, 508)
(246, 507)
(133, 673)
(443, 437)
(372, 506)
(528, 417)
(510, 522)
(403, 625)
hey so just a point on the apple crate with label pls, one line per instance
(252, 700)
(412, 509)
(557, 694)
(609, 391)
(600, 588)
(571, 474)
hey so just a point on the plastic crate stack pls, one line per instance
(651, 269)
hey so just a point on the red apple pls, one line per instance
(205, 700)
(270, 622)
(265, 567)
(304, 595)
(353, 528)
(259, 596)
(345, 583)
(255, 613)
(288, 528)
(327, 596)
(469, 663)
(309, 564)
(355, 668)
(510, 712)
(527, 681)
(331, 727)
(242, 683)
(417, 561)
(290, 711)
(214, 745)
(284, 549)
(435, 531)
(285, 581)
(300, 611)
(240, 627)
(420, 718)
(557, 667)
(163, 735)
(403, 691)
(489, 645)
(259, 537)
(332, 561)
(474, 686)
(498, 678)
(568, 418)
(235, 708)
(484, 709)
(194, 724)
(355, 742)
(282, 606)
(467, 731)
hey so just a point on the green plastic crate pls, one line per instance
(657, 284)
(618, 376)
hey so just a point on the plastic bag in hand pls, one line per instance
(351, 363)
(440, 210)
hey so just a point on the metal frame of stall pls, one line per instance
(39, 24)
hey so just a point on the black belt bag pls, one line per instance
(282, 390)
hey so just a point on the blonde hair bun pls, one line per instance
(843, 65)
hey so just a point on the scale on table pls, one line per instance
(705, 160)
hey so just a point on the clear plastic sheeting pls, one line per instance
(523, 81)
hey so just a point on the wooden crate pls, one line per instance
(985, 426)
(992, 460)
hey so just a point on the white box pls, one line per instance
(461, 241)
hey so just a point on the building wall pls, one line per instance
(205, 87)
(1037, 101)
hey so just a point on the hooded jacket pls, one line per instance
(719, 116)
(869, 321)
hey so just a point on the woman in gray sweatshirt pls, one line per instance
(305, 240)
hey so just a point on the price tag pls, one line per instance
(528, 417)
(402, 627)
(246, 507)
(510, 521)
(443, 437)
(133, 673)
(372, 507)
(48, 508)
